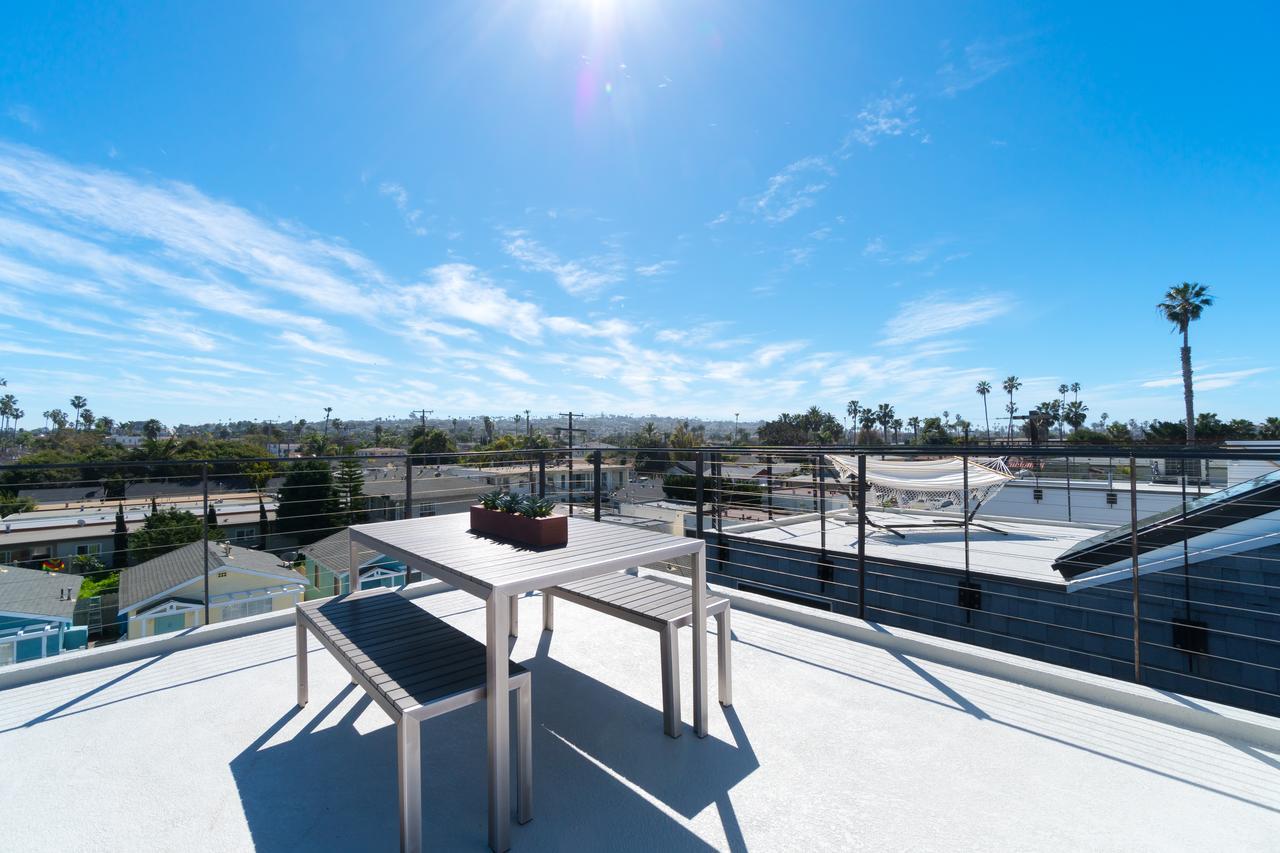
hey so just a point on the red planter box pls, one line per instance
(534, 532)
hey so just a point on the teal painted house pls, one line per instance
(36, 612)
(328, 563)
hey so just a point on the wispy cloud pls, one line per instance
(463, 292)
(583, 277)
(978, 62)
(790, 191)
(938, 314)
(329, 349)
(887, 116)
(24, 115)
(655, 269)
(399, 196)
(1208, 381)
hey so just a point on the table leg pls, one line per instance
(497, 614)
(700, 642)
(353, 573)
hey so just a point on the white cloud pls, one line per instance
(24, 115)
(887, 116)
(581, 278)
(979, 62)
(322, 347)
(790, 191)
(400, 197)
(1207, 381)
(462, 292)
(611, 328)
(936, 314)
(655, 269)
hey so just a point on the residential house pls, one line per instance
(167, 593)
(328, 564)
(36, 610)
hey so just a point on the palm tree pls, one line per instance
(914, 423)
(984, 388)
(1062, 392)
(327, 410)
(7, 405)
(1011, 384)
(852, 411)
(897, 428)
(1075, 391)
(884, 417)
(1075, 414)
(47, 414)
(868, 419)
(78, 403)
(59, 418)
(1182, 305)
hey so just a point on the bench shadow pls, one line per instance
(600, 763)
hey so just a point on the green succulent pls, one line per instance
(491, 500)
(509, 502)
(536, 507)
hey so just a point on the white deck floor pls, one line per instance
(831, 744)
(1026, 550)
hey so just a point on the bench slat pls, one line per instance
(648, 599)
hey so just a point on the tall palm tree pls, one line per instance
(1011, 384)
(914, 423)
(1182, 305)
(983, 389)
(852, 411)
(1075, 391)
(1062, 392)
(884, 417)
(327, 410)
(897, 428)
(47, 414)
(78, 403)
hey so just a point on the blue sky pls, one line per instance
(216, 211)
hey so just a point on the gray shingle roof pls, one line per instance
(334, 552)
(38, 593)
(185, 564)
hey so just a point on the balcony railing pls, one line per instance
(783, 522)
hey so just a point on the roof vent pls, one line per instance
(226, 549)
(79, 522)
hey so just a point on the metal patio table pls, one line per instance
(498, 571)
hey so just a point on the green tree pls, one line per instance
(10, 503)
(166, 530)
(308, 507)
(914, 423)
(431, 442)
(933, 432)
(1270, 428)
(59, 418)
(1182, 305)
(78, 403)
(984, 388)
(152, 429)
(1011, 384)
(884, 417)
(349, 485)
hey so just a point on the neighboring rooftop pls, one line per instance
(831, 744)
(182, 565)
(32, 592)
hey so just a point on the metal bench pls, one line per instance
(659, 606)
(415, 667)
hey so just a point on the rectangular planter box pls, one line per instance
(535, 532)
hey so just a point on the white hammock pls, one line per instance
(934, 483)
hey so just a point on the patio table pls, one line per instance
(498, 571)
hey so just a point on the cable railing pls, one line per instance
(1197, 611)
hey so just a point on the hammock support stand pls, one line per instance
(938, 482)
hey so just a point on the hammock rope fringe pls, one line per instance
(934, 484)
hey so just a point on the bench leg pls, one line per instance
(524, 751)
(548, 611)
(671, 680)
(409, 764)
(302, 663)
(723, 657)
(514, 617)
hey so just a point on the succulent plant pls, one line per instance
(536, 507)
(490, 500)
(509, 502)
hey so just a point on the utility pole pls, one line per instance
(423, 413)
(571, 431)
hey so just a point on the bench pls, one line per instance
(659, 606)
(414, 666)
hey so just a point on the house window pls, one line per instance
(426, 510)
(245, 533)
(86, 550)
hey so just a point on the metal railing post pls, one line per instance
(204, 490)
(699, 489)
(542, 473)
(408, 487)
(862, 536)
(595, 471)
(822, 505)
(1133, 554)
(1068, 461)
(964, 462)
(768, 486)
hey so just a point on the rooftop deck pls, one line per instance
(1025, 550)
(831, 743)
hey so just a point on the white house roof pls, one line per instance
(146, 581)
